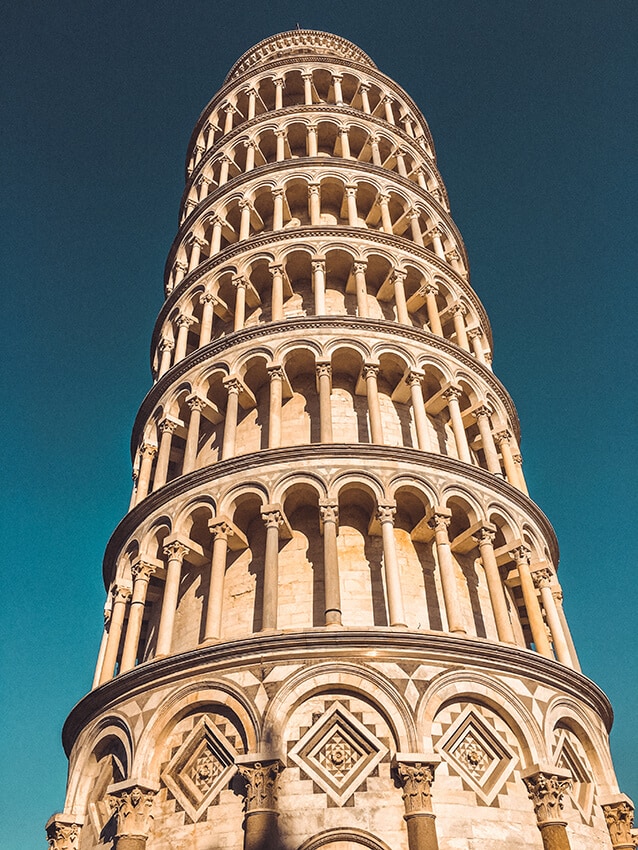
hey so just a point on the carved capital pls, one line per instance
(167, 426)
(521, 554)
(219, 527)
(351, 191)
(148, 450)
(262, 780)
(323, 370)
(619, 816)
(398, 276)
(184, 321)
(428, 289)
(276, 269)
(120, 593)
(360, 266)
(275, 372)
(208, 298)
(176, 551)
(452, 392)
(318, 266)
(453, 255)
(483, 410)
(142, 571)
(63, 832)
(485, 534)
(416, 785)
(272, 518)
(473, 333)
(542, 578)
(458, 307)
(133, 806)
(328, 510)
(386, 513)
(435, 232)
(166, 344)
(370, 370)
(502, 437)
(439, 519)
(233, 385)
(414, 379)
(195, 402)
(278, 192)
(383, 198)
(313, 188)
(546, 790)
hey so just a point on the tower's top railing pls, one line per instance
(301, 42)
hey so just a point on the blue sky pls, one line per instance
(532, 108)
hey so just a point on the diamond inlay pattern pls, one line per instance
(473, 755)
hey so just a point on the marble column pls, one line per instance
(147, 453)
(415, 382)
(183, 323)
(233, 387)
(396, 614)
(475, 336)
(619, 816)
(314, 204)
(141, 572)
(458, 317)
(415, 229)
(558, 599)
(502, 439)
(311, 142)
(484, 536)
(278, 208)
(345, 142)
(435, 234)
(415, 774)
(336, 82)
(370, 372)
(439, 520)
(195, 405)
(166, 346)
(250, 146)
(452, 395)
(208, 302)
(319, 285)
(307, 88)
(276, 376)
(261, 776)
(361, 288)
(521, 555)
(221, 530)
(167, 429)
(324, 373)
(273, 519)
(364, 88)
(241, 285)
(429, 292)
(328, 513)
(277, 292)
(398, 281)
(175, 552)
(279, 92)
(351, 200)
(244, 221)
(386, 219)
(546, 789)
(121, 596)
(543, 582)
(482, 415)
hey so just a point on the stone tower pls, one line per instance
(333, 616)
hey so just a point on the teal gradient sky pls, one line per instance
(532, 106)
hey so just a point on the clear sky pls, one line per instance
(533, 110)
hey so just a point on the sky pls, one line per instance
(532, 106)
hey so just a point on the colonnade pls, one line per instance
(541, 595)
(295, 88)
(269, 208)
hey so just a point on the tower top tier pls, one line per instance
(298, 42)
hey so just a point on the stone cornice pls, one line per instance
(307, 323)
(360, 234)
(371, 73)
(327, 109)
(363, 453)
(353, 644)
(296, 165)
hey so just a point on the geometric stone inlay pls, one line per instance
(582, 790)
(478, 754)
(338, 752)
(200, 768)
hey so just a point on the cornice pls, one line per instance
(363, 453)
(338, 163)
(357, 645)
(332, 63)
(307, 323)
(266, 240)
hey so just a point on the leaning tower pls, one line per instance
(333, 616)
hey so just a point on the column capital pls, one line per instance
(521, 554)
(167, 425)
(503, 436)
(428, 289)
(279, 81)
(132, 802)
(458, 307)
(475, 332)
(546, 788)
(232, 384)
(63, 831)
(182, 320)
(278, 192)
(262, 778)
(452, 392)
(249, 143)
(518, 458)
(220, 527)
(196, 240)
(275, 372)
(413, 213)
(351, 189)
(208, 298)
(175, 549)
(328, 510)
(239, 282)
(227, 106)
(398, 275)
(166, 344)
(245, 203)
(318, 264)
(276, 268)
(360, 266)
(142, 570)
(386, 512)
(195, 402)
(557, 593)
(364, 86)
(272, 516)
(281, 132)
(415, 773)
(181, 265)
(148, 450)
(453, 255)
(370, 370)
(313, 188)
(414, 378)
(482, 410)
(120, 593)
(323, 369)
(486, 533)
(383, 198)
(434, 232)
(542, 577)
(619, 815)
(439, 517)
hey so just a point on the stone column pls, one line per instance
(374, 147)
(416, 775)
(364, 88)
(361, 288)
(181, 269)
(147, 453)
(175, 552)
(387, 103)
(166, 346)
(276, 375)
(370, 372)
(336, 82)
(233, 388)
(458, 317)
(196, 405)
(183, 324)
(351, 200)
(414, 381)
(196, 250)
(435, 234)
(250, 154)
(314, 204)
(475, 335)
(542, 580)
(546, 789)
(502, 439)
(63, 831)
(141, 571)
(430, 291)
(244, 221)
(208, 302)
(167, 428)
(278, 209)
(558, 599)
(452, 395)
(280, 154)
(345, 142)
(260, 821)
(517, 457)
(204, 183)
(307, 88)
(99, 666)
(133, 806)
(216, 235)
(324, 373)
(400, 158)
(439, 521)
(485, 538)
(221, 530)
(386, 219)
(241, 285)
(121, 596)
(521, 555)
(319, 285)
(273, 519)
(385, 515)
(279, 92)
(415, 230)
(224, 160)
(277, 294)
(482, 415)
(229, 109)
(252, 102)
(453, 257)
(311, 140)
(328, 513)
(619, 815)
(398, 280)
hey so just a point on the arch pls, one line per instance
(343, 839)
(109, 734)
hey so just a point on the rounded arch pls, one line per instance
(356, 679)
(343, 839)
(295, 479)
(195, 510)
(366, 481)
(109, 735)
(230, 500)
(474, 686)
